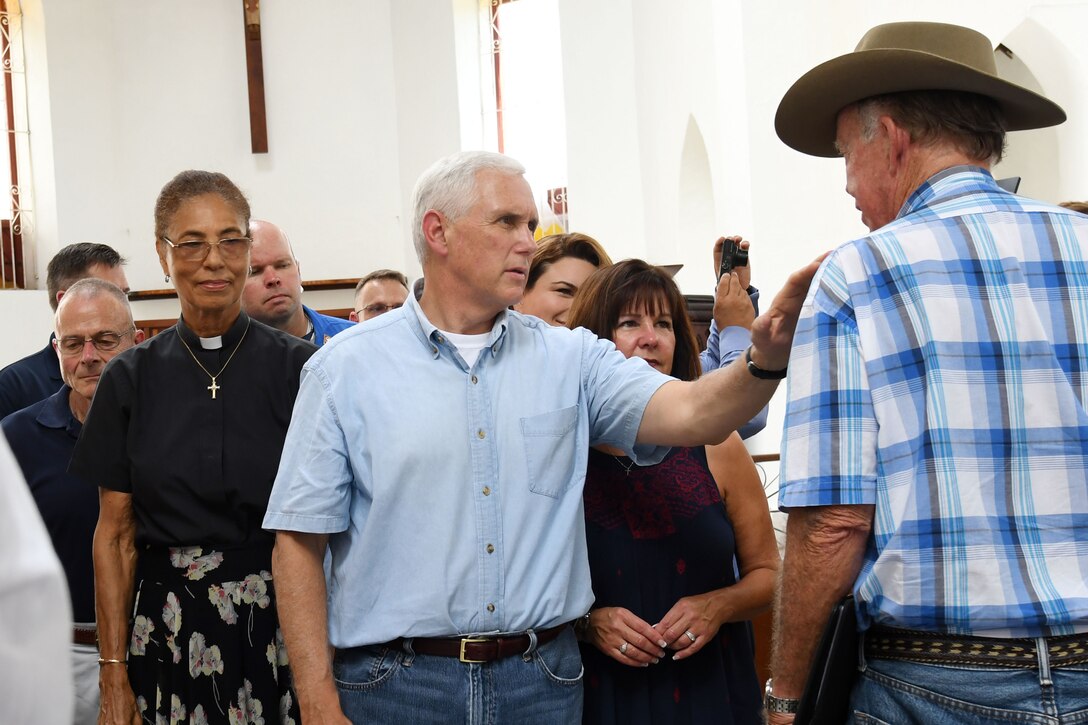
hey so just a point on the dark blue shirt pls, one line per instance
(29, 380)
(42, 437)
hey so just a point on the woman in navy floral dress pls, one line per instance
(682, 553)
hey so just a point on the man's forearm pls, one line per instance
(301, 602)
(707, 410)
(704, 411)
(825, 547)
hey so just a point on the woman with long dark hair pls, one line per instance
(682, 553)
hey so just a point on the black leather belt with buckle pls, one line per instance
(475, 650)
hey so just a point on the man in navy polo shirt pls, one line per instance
(93, 324)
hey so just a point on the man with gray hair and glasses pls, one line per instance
(935, 452)
(447, 482)
(36, 376)
(93, 324)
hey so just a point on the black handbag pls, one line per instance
(826, 697)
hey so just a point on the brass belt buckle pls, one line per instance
(470, 640)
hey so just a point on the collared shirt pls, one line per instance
(26, 381)
(198, 468)
(454, 495)
(325, 326)
(938, 372)
(42, 437)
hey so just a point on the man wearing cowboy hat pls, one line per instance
(935, 453)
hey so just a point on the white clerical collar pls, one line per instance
(211, 343)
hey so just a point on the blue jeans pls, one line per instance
(898, 692)
(396, 686)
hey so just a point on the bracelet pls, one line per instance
(759, 372)
(106, 661)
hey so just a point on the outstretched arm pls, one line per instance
(705, 411)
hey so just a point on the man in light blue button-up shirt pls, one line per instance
(440, 450)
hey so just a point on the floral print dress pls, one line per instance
(206, 647)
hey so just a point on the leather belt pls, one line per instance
(944, 649)
(82, 635)
(477, 649)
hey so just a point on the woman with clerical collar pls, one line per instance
(183, 438)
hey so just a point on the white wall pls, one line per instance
(362, 95)
(653, 68)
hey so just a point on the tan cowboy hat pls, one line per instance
(903, 57)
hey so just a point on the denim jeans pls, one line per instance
(898, 692)
(396, 686)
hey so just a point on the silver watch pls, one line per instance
(785, 705)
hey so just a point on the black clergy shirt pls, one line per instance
(199, 469)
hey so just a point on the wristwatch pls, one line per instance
(759, 372)
(785, 705)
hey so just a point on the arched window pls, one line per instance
(529, 117)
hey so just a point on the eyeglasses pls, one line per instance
(378, 308)
(232, 248)
(103, 342)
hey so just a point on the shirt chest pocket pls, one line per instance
(551, 450)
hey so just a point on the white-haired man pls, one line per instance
(440, 450)
(933, 459)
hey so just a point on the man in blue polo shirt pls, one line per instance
(37, 376)
(93, 324)
(273, 292)
(440, 451)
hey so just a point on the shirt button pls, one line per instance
(490, 549)
(487, 490)
(491, 607)
(474, 380)
(480, 434)
(434, 350)
(439, 338)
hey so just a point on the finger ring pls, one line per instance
(623, 648)
(691, 636)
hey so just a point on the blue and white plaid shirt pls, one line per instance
(940, 373)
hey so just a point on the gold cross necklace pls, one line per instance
(214, 386)
(625, 466)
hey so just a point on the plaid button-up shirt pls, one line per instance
(938, 373)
